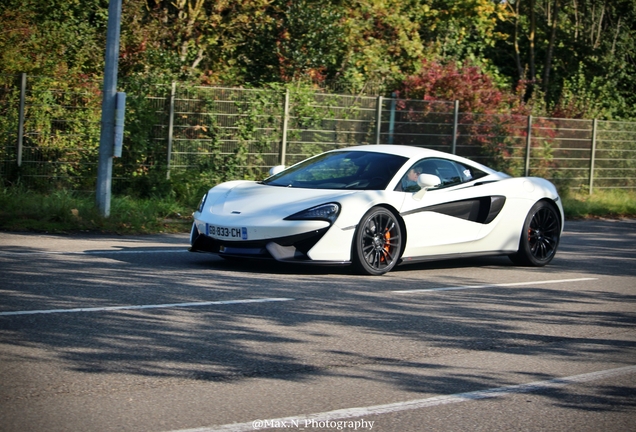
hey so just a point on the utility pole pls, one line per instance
(107, 136)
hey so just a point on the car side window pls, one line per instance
(450, 173)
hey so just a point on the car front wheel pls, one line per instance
(377, 242)
(540, 236)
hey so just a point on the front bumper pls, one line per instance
(292, 248)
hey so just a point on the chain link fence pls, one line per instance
(50, 134)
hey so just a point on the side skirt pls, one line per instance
(410, 260)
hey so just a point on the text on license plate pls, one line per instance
(225, 232)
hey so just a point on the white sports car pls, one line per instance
(376, 206)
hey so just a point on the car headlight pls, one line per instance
(327, 212)
(202, 203)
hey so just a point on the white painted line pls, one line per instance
(101, 252)
(423, 290)
(348, 413)
(157, 306)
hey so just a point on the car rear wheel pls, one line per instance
(540, 236)
(377, 242)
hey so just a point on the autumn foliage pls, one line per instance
(474, 89)
(495, 119)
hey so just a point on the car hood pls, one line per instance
(250, 198)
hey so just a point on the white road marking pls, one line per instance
(99, 252)
(156, 306)
(349, 413)
(554, 281)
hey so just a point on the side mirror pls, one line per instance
(426, 181)
(275, 170)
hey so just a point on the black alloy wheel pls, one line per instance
(540, 236)
(377, 242)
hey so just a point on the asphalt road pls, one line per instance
(118, 333)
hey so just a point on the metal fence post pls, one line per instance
(528, 146)
(392, 118)
(173, 91)
(593, 155)
(455, 127)
(23, 78)
(378, 119)
(283, 143)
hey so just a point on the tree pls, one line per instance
(489, 116)
(475, 90)
(53, 38)
(547, 45)
(572, 37)
(462, 29)
(382, 42)
(202, 38)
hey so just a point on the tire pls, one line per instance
(194, 233)
(377, 242)
(540, 236)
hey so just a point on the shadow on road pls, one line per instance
(301, 339)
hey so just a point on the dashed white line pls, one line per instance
(455, 288)
(264, 300)
(97, 252)
(136, 307)
(349, 413)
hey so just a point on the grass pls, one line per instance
(614, 203)
(67, 212)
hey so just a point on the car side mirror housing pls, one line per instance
(426, 181)
(275, 170)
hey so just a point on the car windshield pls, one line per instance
(357, 170)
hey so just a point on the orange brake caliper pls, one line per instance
(387, 238)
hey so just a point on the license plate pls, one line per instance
(225, 232)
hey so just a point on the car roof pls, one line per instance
(413, 152)
(400, 150)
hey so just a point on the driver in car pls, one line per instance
(409, 182)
